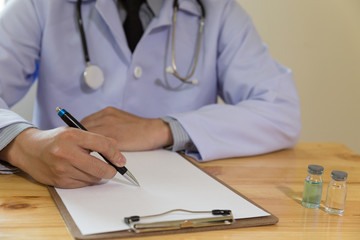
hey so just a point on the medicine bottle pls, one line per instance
(336, 193)
(313, 187)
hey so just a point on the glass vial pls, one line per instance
(313, 187)
(336, 193)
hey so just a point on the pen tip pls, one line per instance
(131, 178)
(58, 109)
(135, 181)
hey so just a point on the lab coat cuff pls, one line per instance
(7, 134)
(182, 141)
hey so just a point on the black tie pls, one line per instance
(132, 25)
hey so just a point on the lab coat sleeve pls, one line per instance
(19, 52)
(261, 111)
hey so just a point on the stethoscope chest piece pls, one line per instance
(93, 76)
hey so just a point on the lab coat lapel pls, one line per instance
(163, 19)
(109, 12)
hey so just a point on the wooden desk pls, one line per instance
(274, 181)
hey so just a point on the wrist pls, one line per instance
(163, 134)
(12, 152)
(181, 139)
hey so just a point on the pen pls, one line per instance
(72, 122)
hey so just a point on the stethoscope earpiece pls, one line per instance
(170, 70)
(194, 81)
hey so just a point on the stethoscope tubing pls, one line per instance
(174, 67)
(82, 32)
(174, 71)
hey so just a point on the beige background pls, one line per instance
(320, 41)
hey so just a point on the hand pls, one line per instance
(131, 132)
(60, 157)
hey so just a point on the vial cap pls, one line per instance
(339, 175)
(315, 169)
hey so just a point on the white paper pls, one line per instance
(167, 181)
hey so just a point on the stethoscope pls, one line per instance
(94, 76)
(173, 69)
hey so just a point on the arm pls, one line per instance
(261, 111)
(58, 157)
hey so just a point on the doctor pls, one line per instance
(138, 86)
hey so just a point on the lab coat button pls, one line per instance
(137, 72)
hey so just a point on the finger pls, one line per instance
(74, 183)
(108, 115)
(104, 145)
(95, 118)
(80, 142)
(70, 176)
(75, 167)
(96, 168)
(91, 120)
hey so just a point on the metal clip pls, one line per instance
(226, 218)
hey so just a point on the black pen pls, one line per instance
(72, 122)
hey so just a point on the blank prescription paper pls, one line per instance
(168, 181)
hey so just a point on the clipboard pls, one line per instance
(237, 223)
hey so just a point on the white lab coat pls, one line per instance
(261, 113)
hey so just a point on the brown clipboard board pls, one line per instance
(239, 223)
